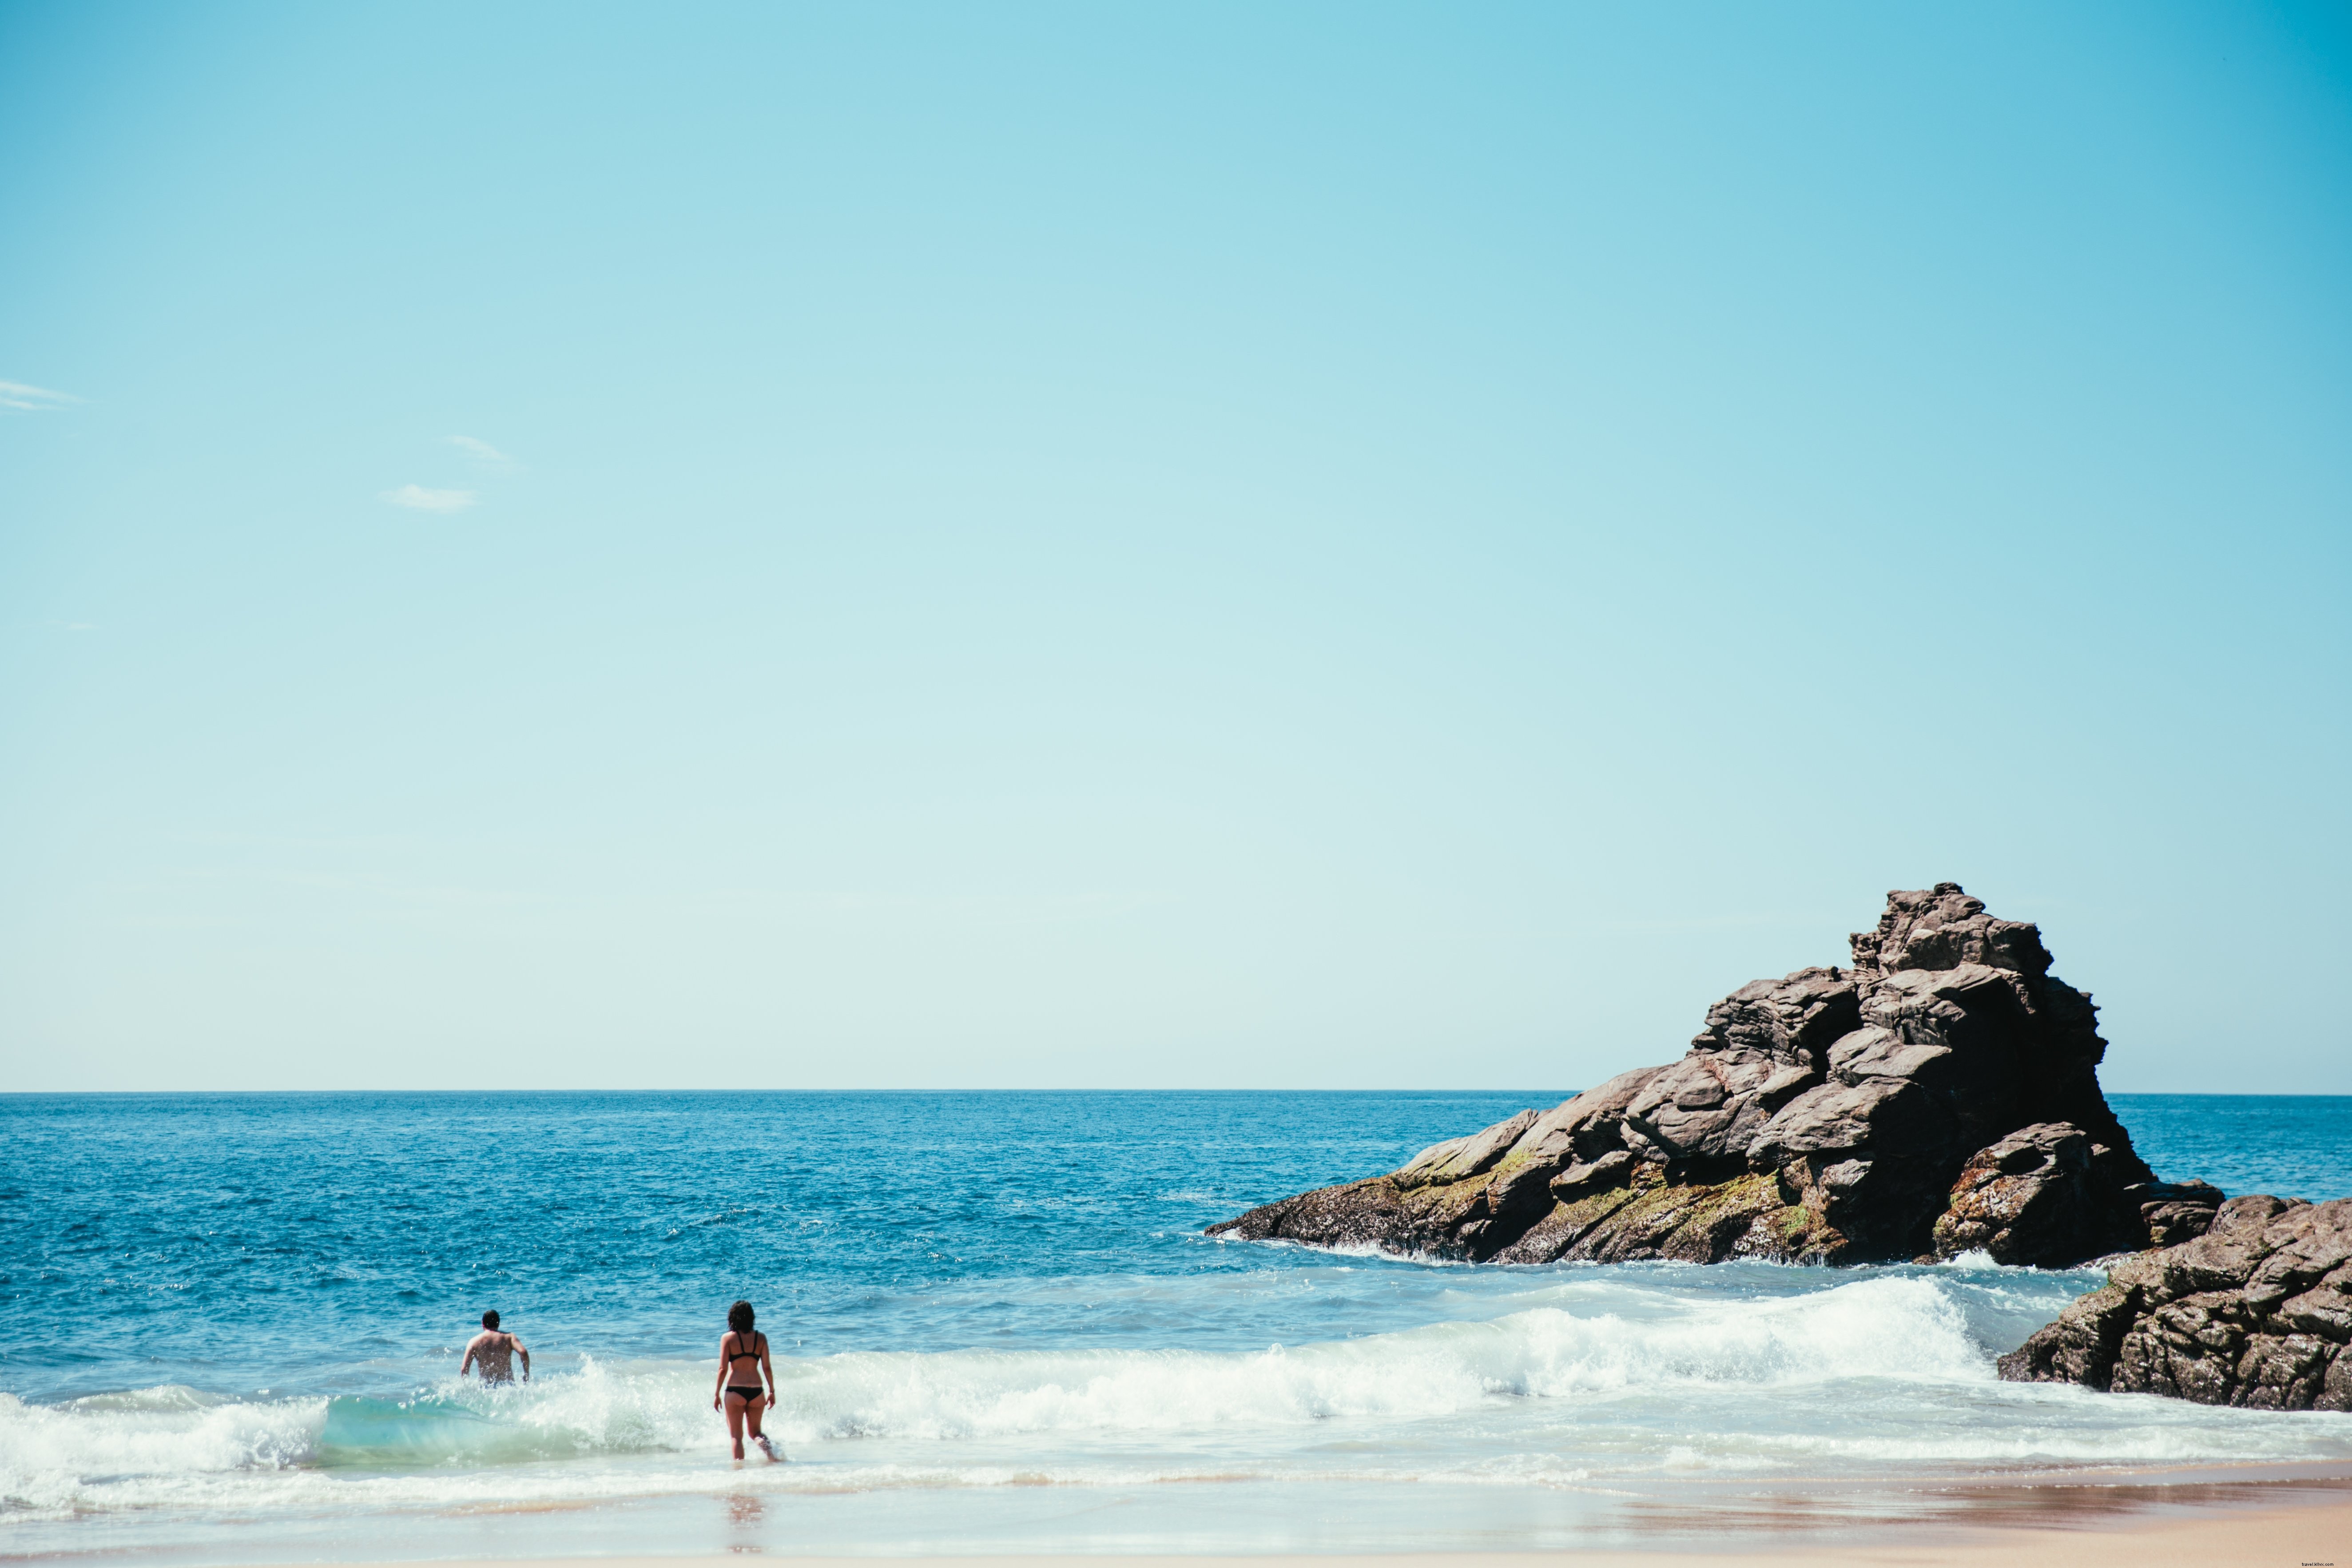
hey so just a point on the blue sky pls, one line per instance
(1210, 545)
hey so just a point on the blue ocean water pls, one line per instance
(232, 1325)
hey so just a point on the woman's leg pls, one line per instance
(752, 1413)
(735, 1411)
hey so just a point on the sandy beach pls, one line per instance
(2299, 1524)
(2313, 1532)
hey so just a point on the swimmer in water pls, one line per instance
(737, 1392)
(495, 1352)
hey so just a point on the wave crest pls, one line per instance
(61, 1457)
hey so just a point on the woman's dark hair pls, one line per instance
(739, 1317)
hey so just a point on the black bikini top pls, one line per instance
(751, 1354)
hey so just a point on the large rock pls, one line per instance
(2255, 1311)
(2040, 1193)
(1940, 1096)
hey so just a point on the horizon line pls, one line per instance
(288, 1093)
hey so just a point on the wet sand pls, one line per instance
(2293, 1528)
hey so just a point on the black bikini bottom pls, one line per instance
(748, 1394)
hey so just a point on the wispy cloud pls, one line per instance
(422, 499)
(482, 452)
(32, 399)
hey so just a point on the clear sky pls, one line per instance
(1183, 545)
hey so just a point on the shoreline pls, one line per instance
(2278, 1520)
(2313, 1532)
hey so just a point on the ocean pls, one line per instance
(232, 1324)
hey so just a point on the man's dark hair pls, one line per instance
(739, 1317)
(489, 1320)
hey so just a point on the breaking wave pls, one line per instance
(1876, 1371)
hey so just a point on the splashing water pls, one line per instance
(250, 1309)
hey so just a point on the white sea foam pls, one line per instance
(1598, 1376)
(55, 1458)
(1904, 1329)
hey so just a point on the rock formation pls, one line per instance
(2257, 1311)
(1941, 1095)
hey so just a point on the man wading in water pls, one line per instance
(495, 1351)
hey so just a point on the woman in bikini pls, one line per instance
(742, 1358)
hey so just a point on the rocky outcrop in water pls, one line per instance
(1940, 1096)
(2257, 1310)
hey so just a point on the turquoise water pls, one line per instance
(232, 1324)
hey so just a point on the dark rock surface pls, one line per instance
(2041, 1192)
(2257, 1310)
(1941, 1095)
